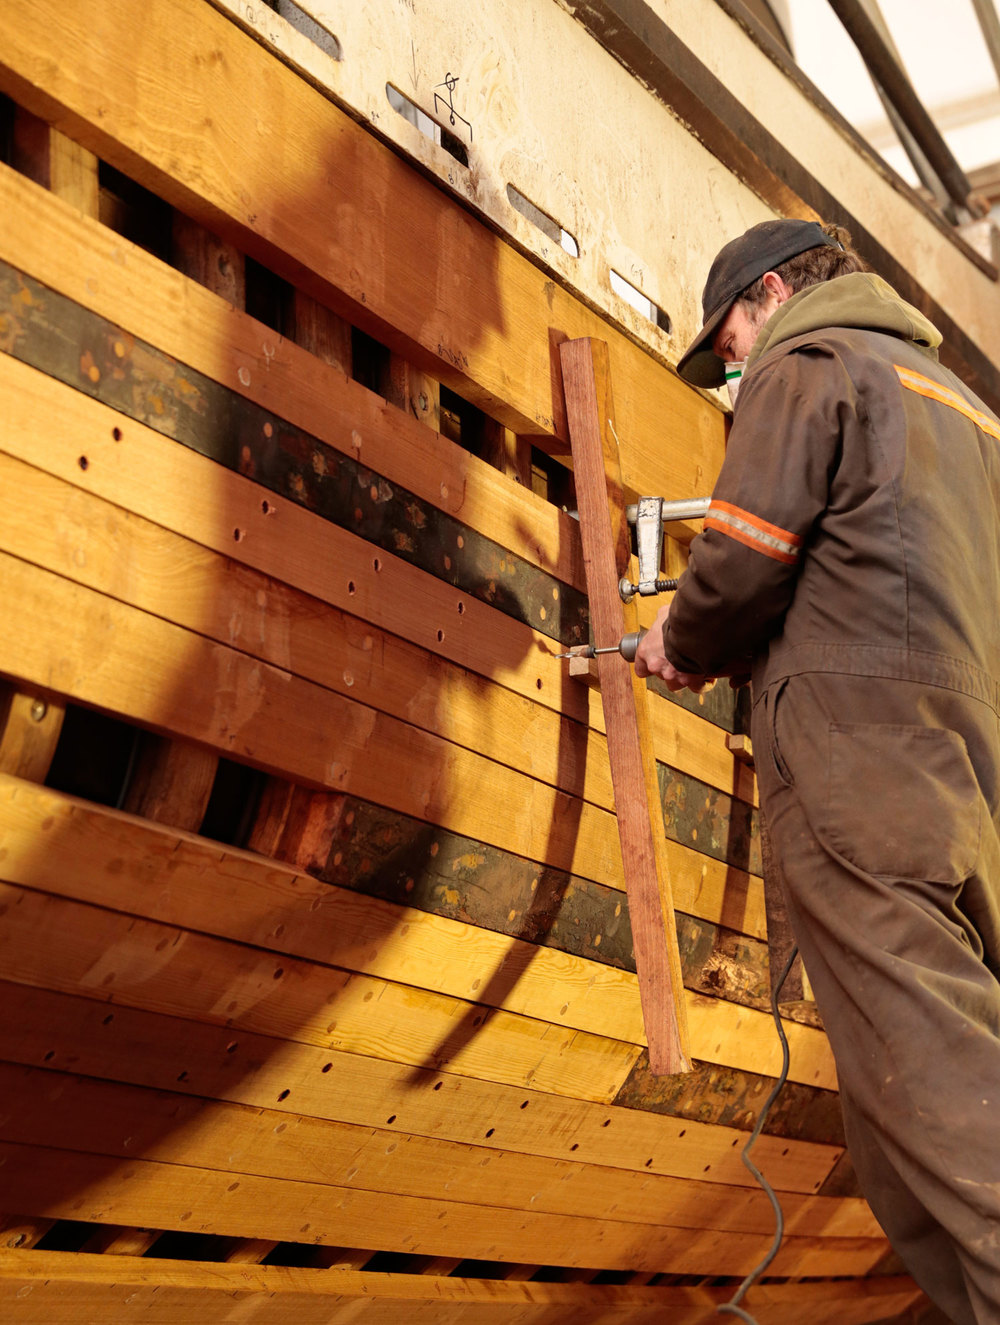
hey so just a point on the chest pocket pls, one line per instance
(903, 801)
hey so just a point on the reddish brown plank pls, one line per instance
(590, 415)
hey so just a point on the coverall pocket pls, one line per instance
(770, 712)
(903, 801)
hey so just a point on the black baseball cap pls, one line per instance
(739, 264)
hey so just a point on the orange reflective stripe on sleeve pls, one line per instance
(744, 527)
(926, 386)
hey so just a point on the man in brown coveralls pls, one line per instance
(850, 561)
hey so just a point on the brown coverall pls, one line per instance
(852, 555)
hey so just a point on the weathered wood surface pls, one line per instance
(604, 533)
(127, 1289)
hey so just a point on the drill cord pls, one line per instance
(731, 1308)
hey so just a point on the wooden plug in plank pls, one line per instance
(603, 531)
(30, 724)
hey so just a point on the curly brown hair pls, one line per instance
(812, 267)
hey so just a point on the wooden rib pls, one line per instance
(123, 1122)
(190, 883)
(21, 1231)
(321, 332)
(43, 1027)
(35, 1285)
(412, 391)
(66, 1184)
(342, 1258)
(172, 781)
(115, 1240)
(488, 330)
(30, 725)
(250, 1251)
(590, 412)
(55, 162)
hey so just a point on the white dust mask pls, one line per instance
(734, 372)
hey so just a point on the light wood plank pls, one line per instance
(67, 1184)
(188, 883)
(126, 1290)
(590, 412)
(56, 1030)
(122, 1122)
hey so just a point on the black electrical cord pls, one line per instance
(731, 1308)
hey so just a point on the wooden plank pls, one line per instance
(61, 1031)
(188, 883)
(67, 1184)
(122, 1122)
(491, 312)
(587, 383)
(165, 1292)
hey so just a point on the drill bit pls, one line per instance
(626, 646)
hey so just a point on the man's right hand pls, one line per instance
(650, 659)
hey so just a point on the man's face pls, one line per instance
(735, 337)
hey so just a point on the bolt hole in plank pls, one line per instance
(302, 22)
(429, 127)
(548, 225)
(640, 302)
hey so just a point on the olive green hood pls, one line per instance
(861, 300)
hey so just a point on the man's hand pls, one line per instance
(650, 660)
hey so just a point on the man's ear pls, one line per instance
(774, 285)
